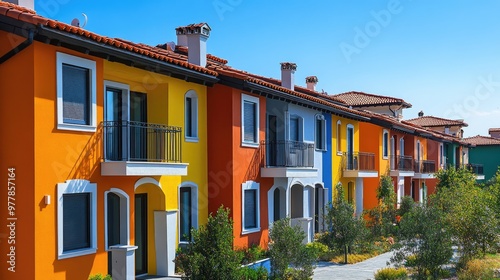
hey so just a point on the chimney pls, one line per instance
(494, 132)
(311, 82)
(194, 37)
(29, 4)
(287, 75)
(421, 114)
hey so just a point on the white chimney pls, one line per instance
(287, 75)
(194, 36)
(311, 82)
(29, 4)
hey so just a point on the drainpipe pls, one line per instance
(19, 47)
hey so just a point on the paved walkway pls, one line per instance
(358, 271)
(327, 271)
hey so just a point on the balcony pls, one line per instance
(359, 165)
(141, 149)
(401, 166)
(424, 169)
(288, 159)
(477, 169)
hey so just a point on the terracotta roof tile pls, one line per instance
(431, 121)
(29, 16)
(362, 99)
(493, 130)
(479, 140)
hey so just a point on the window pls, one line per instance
(251, 209)
(188, 210)
(117, 216)
(76, 93)
(385, 144)
(401, 146)
(76, 218)
(250, 120)
(320, 139)
(191, 116)
(294, 129)
(339, 137)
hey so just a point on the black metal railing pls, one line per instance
(138, 141)
(358, 161)
(402, 163)
(288, 154)
(424, 166)
(475, 168)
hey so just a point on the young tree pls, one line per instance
(383, 216)
(211, 254)
(425, 239)
(344, 227)
(287, 250)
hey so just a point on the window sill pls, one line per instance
(77, 253)
(320, 150)
(191, 139)
(76, 127)
(248, 231)
(385, 157)
(249, 144)
(339, 153)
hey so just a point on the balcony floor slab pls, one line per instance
(360, 174)
(134, 168)
(284, 172)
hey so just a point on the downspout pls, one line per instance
(19, 47)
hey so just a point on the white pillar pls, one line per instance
(359, 196)
(401, 189)
(165, 237)
(123, 262)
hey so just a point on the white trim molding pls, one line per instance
(124, 216)
(255, 100)
(194, 116)
(75, 187)
(250, 185)
(62, 58)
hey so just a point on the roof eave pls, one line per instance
(76, 42)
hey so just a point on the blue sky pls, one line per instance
(441, 56)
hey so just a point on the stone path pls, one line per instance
(358, 271)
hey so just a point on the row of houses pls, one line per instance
(120, 149)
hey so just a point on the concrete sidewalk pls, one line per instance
(358, 271)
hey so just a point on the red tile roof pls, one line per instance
(479, 140)
(29, 16)
(362, 99)
(431, 121)
(493, 130)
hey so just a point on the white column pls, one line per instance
(359, 196)
(165, 239)
(401, 189)
(123, 262)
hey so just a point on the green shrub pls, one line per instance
(99, 276)
(247, 273)
(318, 249)
(287, 250)
(252, 254)
(476, 270)
(390, 273)
(211, 254)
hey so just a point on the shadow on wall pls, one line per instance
(90, 157)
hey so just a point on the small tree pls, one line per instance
(211, 254)
(344, 227)
(287, 250)
(383, 216)
(425, 241)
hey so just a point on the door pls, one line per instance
(115, 116)
(350, 149)
(318, 209)
(113, 224)
(272, 144)
(141, 237)
(457, 157)
(138, 132)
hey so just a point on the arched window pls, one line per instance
(385, 144)
(320, 133)
(188, 210)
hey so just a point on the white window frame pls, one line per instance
(320, 118)
(72, 187)
(253, 99)
(194, 204)
(385, 144)
(338, 128)
(250, 185)
(124, 216)
(300, 127)
(62, 58)
(194, 116)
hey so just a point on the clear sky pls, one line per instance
(441, 56)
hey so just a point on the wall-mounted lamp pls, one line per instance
(47, 199)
